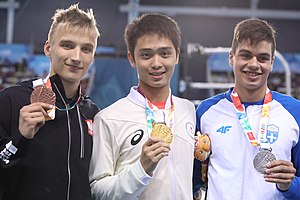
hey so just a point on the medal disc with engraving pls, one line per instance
(43, 94)
(161, 130)
(262, 159)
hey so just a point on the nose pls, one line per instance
(76, 55)
(156, 61)
(253, 62)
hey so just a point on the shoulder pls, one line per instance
(209, 102)
(119, 108)
(182, 101)
(88, 107)
(289, 103)
(23, 90)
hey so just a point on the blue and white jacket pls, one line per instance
(231, 174)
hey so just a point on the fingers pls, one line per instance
(280, 172)
(153, 151)
(32, 117)
(280, 166)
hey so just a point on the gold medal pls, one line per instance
(43, 94)
(161, 130)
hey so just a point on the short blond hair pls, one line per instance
(74, 19)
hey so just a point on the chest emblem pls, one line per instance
(89, 123)
(272, 133)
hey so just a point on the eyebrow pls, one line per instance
(70, 41)
(246, 51)
(159, 49)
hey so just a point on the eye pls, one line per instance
(204, 141)
(165, 53)
(67, 45)
(263, 59)
(145, 54)
(245, 56)
(87, 49)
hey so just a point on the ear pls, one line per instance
(47, 49)
(131, 59)
(272, 62)
(177, 56)
(231, 58)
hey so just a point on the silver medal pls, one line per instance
(261, 160)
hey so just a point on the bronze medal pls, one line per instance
(262, 159)
(161, 130)
(43, 94)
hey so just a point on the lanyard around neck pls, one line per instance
(244, 121)
(153, 114)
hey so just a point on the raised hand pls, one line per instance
(153, 151)
(280, 172)
(32, 117)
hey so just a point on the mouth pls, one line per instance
(157, 73)
(252, 74)
(74, 67)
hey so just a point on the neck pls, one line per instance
(247, 95)
(155, 95)
(70, 88)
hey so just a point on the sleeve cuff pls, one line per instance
(291, 192)
(140, 174)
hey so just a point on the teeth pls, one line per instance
(156, 74)
(252, 74)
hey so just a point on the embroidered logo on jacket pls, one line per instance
(224, 129)
(89, 123)
(138, 135)
(272, 133)
(7, 152)
(190, 129)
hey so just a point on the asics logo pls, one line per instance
(138, 135)
(224, 129)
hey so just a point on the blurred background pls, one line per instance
(207, 29)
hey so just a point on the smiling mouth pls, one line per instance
(253, 74)
(157, 73)
(74, 66)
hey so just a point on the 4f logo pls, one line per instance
(224, 129)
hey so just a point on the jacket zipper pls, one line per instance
(81, 133)
(69, 144)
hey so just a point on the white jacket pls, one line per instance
(120, 131)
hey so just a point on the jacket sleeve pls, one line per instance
(293, 193)
(105, 183)
(12, 144)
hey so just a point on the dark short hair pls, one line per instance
(152, 24)
(254, 30)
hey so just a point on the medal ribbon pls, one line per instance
(244, 121)
(45, 82)
(151, 109)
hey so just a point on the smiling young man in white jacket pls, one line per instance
(127, 163)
